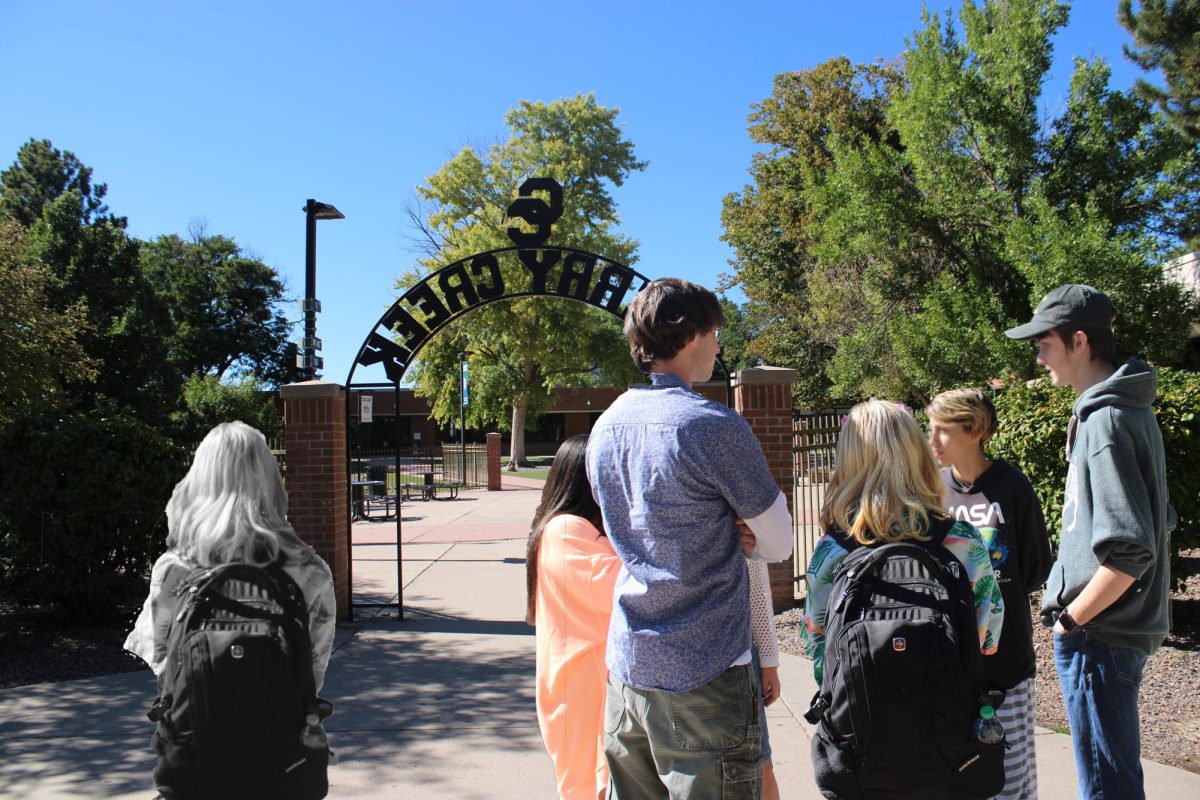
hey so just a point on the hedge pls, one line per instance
(1033, 437)
(82, 500)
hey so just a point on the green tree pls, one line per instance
(521, 349)
(915, 246)
(94, 264)
(41, 174)
(208, 401)
(739, 332)
(1167, 38)
(769, 224)
(39, 344)
(224, 308)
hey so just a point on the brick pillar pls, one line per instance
(493, 461)
(314, 424)
(763, 396)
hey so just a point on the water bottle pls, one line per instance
(313, 736)
(987, 729)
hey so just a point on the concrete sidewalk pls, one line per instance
(439, 705)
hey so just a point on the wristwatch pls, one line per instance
(1067, 621)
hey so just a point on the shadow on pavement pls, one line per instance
(81, 742)
(419, 690)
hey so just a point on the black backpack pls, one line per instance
(903, 678)
(236, 688)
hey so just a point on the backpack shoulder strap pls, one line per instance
(939, 528)
(290, 592)
(936, 545)
(843, 539)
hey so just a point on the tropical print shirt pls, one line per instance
(963, 540)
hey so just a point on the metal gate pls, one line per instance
(814, 453)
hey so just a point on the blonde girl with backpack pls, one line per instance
(231, 508)
(886, 488)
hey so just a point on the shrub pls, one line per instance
(1033, 436)
(208, 402)
(82, 500)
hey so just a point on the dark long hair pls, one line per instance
(566, 492)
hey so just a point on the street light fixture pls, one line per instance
(313, 211)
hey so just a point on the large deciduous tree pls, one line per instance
(521, 349)
(770, 224)
(224, 306)
(892, 257)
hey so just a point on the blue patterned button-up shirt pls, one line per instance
(671, 471)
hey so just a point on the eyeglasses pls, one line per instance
(717, 333)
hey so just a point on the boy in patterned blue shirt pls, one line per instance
(674, 473)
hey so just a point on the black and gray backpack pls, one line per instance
(236, 688)
(903, 678)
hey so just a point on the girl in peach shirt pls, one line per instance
(570, 573)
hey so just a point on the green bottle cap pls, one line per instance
(987, 712)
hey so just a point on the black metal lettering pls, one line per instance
(382, 349)
(459, 293)
(535, 211)
(576, 275)
(612, 287)
(423, 297)
(538, 269)
(496, 288)
(400, 321)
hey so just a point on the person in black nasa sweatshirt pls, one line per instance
(998, 499)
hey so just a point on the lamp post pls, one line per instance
(313, 211)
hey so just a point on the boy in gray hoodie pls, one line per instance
(1106, 597)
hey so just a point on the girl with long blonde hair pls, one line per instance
(231, 507)
(886, 487)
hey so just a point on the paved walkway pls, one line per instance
(439, 705)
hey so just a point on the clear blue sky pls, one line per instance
(235, 112)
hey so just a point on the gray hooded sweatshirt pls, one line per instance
(1115, 510)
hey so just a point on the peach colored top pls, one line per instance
(577, 570)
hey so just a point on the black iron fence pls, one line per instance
(814, 455)
(419, 466)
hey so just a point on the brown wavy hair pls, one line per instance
(665, 315)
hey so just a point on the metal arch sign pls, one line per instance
(478, 280)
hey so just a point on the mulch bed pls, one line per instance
(37, 646)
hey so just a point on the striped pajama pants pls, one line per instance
(1016, 714)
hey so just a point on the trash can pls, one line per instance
(378, 473)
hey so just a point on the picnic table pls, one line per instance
(431, 489)
(360, 491)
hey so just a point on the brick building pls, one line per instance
(573, 411)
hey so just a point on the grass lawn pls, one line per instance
(537, 468)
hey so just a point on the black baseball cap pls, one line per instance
(1073, 306)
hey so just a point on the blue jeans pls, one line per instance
(1100, 691)
(702, 744)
